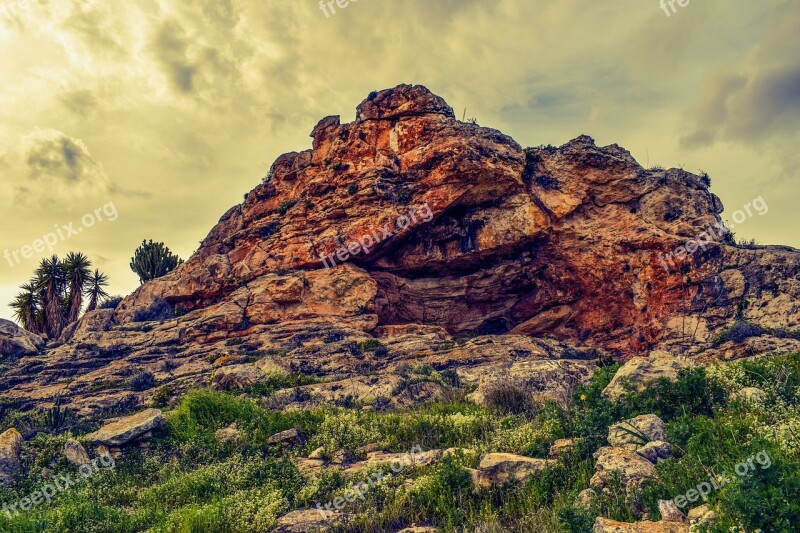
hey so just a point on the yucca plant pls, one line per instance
(77, 272)
(96, 290)
(51, 281)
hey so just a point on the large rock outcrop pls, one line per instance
(16, 342)
(415, 228)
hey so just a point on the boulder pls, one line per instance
(127, 429)
(636, 432)
(10, 448)
(562, 447)
(228, 434)
(586, 499)
(503, 468)
(670, 512)
(750, 394)
(633, 468)
(655, 451)
(284, 437)
(235, 377)
(308, 521)
(638, 372)
(18, 342)
(75, 453)
(606, 525)
(701, 515)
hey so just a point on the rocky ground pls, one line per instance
(533, 267)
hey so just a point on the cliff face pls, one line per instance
(409, 224)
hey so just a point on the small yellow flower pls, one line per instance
(583, 397)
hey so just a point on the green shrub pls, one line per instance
(285, 206)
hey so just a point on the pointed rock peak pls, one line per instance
(402, 101)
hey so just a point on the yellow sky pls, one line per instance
(171, 110)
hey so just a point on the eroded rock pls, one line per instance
(18, 342)
(606, 525)
(10, 448)
(633, 468)
(75, 453)
(124, 430)
(503, 468)
(634, 433)
(640, 371)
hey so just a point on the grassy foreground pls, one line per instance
(189, 482)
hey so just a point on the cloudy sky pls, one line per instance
(171, 110)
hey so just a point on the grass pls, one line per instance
(189, 482)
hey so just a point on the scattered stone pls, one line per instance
(309, 466)
(562, 447)
(633, 468)
(640, 371)
(284, 437)
(655, 451)
(319, 453)
(236, 377)
(127, 429)
(502, 468)
(418, 529)
(750, 394)
(397, 461)
(670, 512)
(586, 500)
(701, 515)
(606, 525)
(308, 521)
(10, 448)
(18, 342)
(228, 434)
(626, 434)
(76, 453)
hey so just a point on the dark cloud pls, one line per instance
(171, 47)
(59, 157)
(81, 102)
(759, 101)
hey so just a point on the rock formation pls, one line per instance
(436, 231)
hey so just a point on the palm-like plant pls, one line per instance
(78, 273)
(96, 290)
(53, 298)
(51, 282)
(27, 307)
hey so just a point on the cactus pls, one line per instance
(153, 260)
